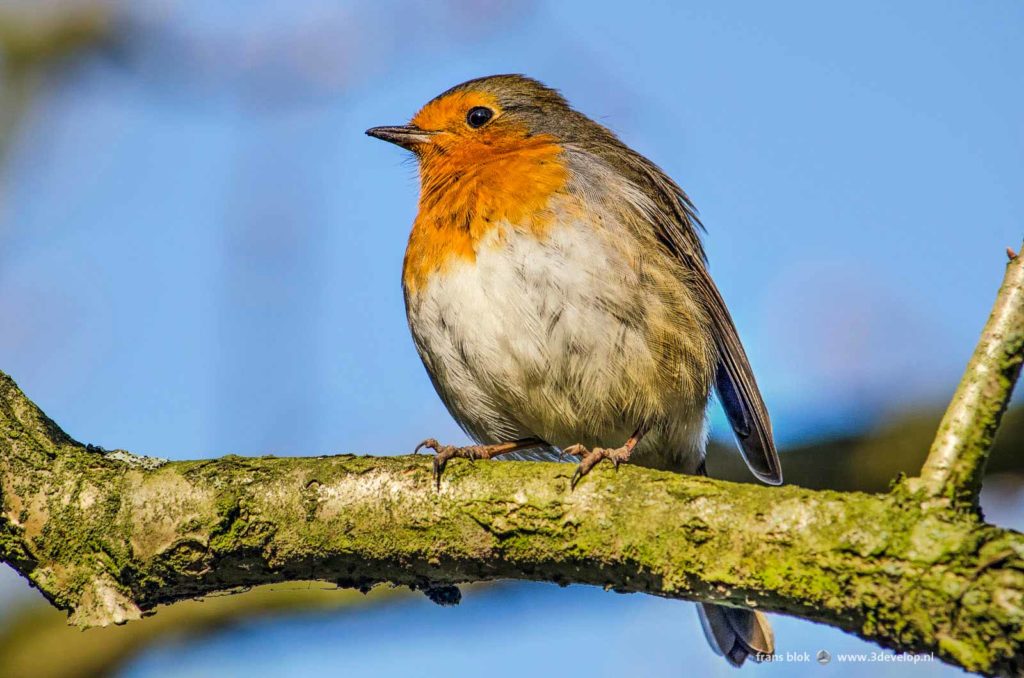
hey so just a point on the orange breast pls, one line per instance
(469, 189)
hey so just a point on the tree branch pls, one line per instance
(109, 536)
(956, 461)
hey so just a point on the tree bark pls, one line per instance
(108, 536)
(956, 461)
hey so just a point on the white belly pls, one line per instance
(550, 338)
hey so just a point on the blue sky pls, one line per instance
(200, 250)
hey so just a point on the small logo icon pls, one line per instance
(824, 657)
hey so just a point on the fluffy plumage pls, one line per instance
(556, 289)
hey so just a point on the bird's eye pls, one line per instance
(478, 116)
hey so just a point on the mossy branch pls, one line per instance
(108, 536)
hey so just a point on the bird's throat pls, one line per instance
(470, 190)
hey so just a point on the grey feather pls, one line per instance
(736, 633)
(738, 392)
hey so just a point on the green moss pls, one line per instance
(895, 568)
(13, 549)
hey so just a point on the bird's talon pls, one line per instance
(591, 458)
(438, 470)
(444, 453)
(429, 442)
(576, 477)
(576, 450)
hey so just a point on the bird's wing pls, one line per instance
(678, 229)
(737, 389)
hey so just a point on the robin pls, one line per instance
(558, 294)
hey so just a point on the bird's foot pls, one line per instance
(444, 453)
(589, 458)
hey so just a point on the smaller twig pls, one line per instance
(956, 461)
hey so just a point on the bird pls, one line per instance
(557, 291)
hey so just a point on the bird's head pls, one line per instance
(484, 119)
(497, 150)
(491, 155)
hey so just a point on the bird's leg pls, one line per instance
(591, 458)
(471, 452)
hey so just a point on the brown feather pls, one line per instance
(678, 229)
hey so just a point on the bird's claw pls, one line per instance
(429, 442)
(444, 453)
(571, 451)
(591, 458)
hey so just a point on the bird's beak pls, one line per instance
(406, 136)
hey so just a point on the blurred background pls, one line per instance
(200, 254)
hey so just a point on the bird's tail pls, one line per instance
(736, 633)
